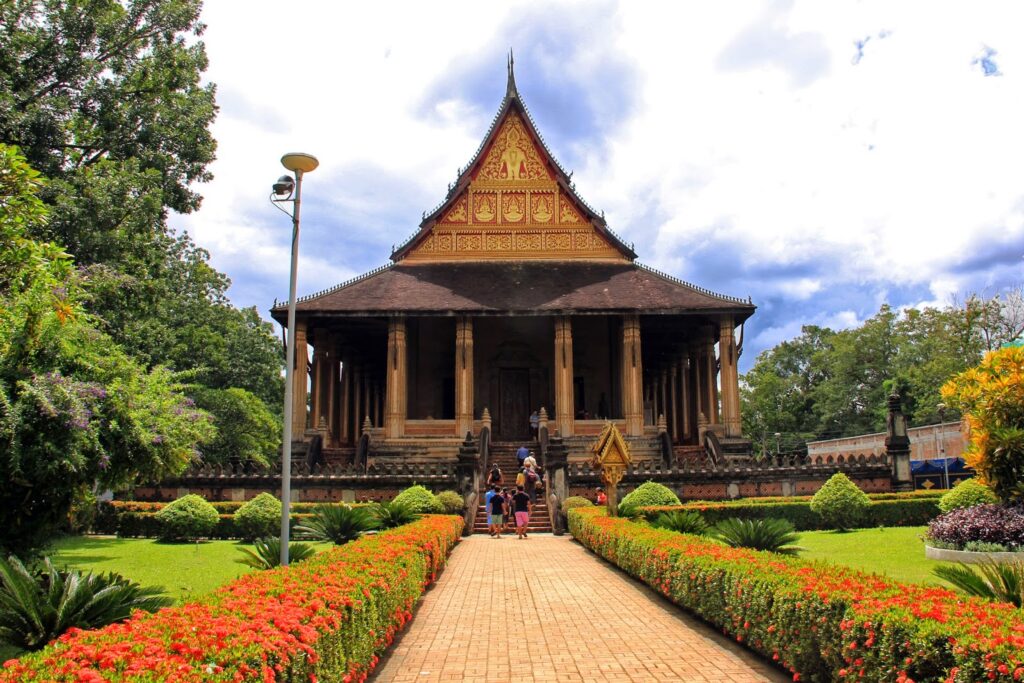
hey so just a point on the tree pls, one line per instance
(246, 430)
(75, 410)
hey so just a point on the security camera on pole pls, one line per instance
(299, 164)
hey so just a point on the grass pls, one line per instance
(897, 552)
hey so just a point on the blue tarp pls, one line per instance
(935, 466)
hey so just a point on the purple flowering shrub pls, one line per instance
(988, 523)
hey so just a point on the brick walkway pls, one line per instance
(470, 626)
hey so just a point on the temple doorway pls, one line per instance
(514, 404)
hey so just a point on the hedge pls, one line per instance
(328, 618)
(821, 621)
(891, 512)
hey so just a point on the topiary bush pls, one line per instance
(840, 502)
(967, 494)
(987, 523)
(419, 499)
(449, 502)
(648, 493)
(575, 502)
(258, 518)
(188, 518)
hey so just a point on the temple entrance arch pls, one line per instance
(513, 404)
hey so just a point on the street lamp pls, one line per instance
(941, 446)
(778, 449)
(283, 189)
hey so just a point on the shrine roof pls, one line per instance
(515, 288)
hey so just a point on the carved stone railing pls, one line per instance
(242, 475)
(784, 465)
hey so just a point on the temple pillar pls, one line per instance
(565, 413)
(632, 376)
(463, 376)
(397, 400)
(344, 430)
(730, 378)
(367, 408)
(673, 405)
(663, 393)
(300, 378)
(357, 400)
(332, 389)
(711, 378)
(684, 397)
(697, 369)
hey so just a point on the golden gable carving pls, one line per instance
(513, 157)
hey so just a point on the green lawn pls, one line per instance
(897, 552)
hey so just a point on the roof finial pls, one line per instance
(510, 88)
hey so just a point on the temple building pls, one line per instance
(515, 295)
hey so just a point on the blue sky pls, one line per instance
(821, 158)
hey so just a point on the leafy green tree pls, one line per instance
(75, 410)
(246, 430)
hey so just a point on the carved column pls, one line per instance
(367, 408)
(632, 376)
(565, 412)
(345, 412)
(394, 418)
(684, 396)
(697, 370)
(358, 409)
(664, 393)
(711, 378)
(300, 377)
(463, 376)
(673, 404)
(332, 388)
(730, 378)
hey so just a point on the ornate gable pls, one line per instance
(513, 202)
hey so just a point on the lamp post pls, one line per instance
(778, 448)
(299, 164)
(941, 446)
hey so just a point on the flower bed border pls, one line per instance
(328, 618)
(820, 621)
(970, 556)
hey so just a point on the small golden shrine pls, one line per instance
(611, 458)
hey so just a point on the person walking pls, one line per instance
(498, 508)
(530, 461)
(521, 454)
(523, 507)
(531, 483)
(494, 477)
(491, 491)
(510, 521)
(534, 424)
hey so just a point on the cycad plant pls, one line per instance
(37, 607)
(683, 521)
(1003, 582)
(394, 514)
(774, 535)
(337, 523)
(266, 553)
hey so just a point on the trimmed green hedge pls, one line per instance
(328, 618)
(891, 512)
(821, 621)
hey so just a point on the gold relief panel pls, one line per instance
(468, 241)
(543, 207)
(458, 213)
(444, 242)
(559, 240)
(530, 241)
(485, 207)
(582, 241)
(513, 157)
(567, 212)
(428, 244)
(513, 207)
(499, 242)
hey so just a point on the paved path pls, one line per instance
(470, 625)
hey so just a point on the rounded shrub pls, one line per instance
(450, 502)
(260, 517)
(967, 494)
(575, 502)
(648, 493)
(418, 499)
(840, 503)
(188, 518)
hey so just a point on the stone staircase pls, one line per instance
(503, 454)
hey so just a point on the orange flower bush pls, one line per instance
(328, 618)
(821, 621)
(991, 397)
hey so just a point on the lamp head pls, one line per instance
(299, 162)
(284, 187)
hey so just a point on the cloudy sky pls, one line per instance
(821, 158)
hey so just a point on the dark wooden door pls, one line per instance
(514, 404)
